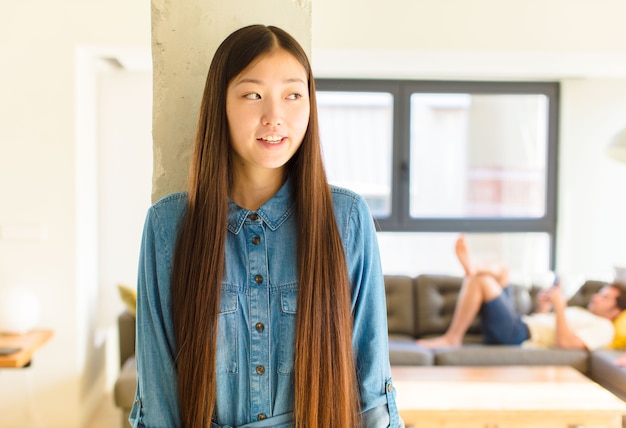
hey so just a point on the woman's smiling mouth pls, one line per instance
(272, 139)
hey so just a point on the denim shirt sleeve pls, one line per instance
(156, 401)
(370, 335)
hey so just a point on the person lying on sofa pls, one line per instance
(486, 291)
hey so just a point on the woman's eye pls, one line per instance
(252, 96)
(294, 96)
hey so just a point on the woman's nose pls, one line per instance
(272, 114)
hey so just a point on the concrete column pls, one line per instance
(185, 34)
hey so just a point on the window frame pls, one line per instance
(399, 219)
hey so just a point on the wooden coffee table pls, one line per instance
(503, 397)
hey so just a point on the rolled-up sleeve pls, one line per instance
(156, 401)
(370, 336)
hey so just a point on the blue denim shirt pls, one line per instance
(256, 324)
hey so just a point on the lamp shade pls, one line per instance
(19, 310)
(617, 147)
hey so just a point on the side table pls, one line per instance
(27, 343)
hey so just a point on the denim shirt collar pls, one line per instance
(273, 213)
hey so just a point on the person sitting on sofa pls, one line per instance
(486, 291)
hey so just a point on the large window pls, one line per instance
(437, 158)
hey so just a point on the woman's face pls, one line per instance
(267, 106)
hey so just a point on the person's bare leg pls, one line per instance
(495, 268)
(467, 305)
(462, 253)
(475, 290)
(482, 283)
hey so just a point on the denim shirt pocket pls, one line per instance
(227, 333)
(287, 344)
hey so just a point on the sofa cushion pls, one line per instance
(126, 330)
(404, 352)
(523, 299)
(126, 384)
(607, 373)
(584, 293)
(496, 355)
(436, 297)
(399, 292)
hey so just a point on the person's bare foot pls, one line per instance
(438, 342)
(462, 253)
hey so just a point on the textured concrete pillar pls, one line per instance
(185, 34)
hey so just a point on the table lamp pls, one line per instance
(19, 310)
(617, 147)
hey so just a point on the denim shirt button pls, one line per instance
(258, 279)
(253, 216)
(260, 370)
(256, 240)
(261, 416)
(259, 327)
(389, 387)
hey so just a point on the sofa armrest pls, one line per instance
(584, 293)
(126, 330)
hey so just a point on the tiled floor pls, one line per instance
(107, 416)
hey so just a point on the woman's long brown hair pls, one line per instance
(326, 392)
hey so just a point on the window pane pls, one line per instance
(478, 155)
(357, 134)
(527, 255)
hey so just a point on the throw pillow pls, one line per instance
(129, 297)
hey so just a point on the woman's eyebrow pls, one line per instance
(260, 82)
(296, 80)
(248, 80)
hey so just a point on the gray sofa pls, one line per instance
(125, 385)
(420, 307)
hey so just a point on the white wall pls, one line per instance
(39, 45)
(480, 39)
(470, 26)
(592, 204)
(582, 44)
(125, 180)
(124, 164)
